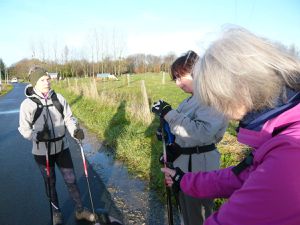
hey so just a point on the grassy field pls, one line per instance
(118, 112)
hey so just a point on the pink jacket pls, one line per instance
(266, 193)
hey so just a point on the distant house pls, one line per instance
(103, 75)
(106, 76)
(53, 75)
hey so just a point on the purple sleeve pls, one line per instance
(213, 184)
(269, 195)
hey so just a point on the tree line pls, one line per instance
(137, 63)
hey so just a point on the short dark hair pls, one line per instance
(184, 64)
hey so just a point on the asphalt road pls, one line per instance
(22, 194)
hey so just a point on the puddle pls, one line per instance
(138, 204)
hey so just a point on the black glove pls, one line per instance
(161, 108)
(43, 136)
(177, 178)
(78, 134)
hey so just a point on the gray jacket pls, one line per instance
(195, 124)
(56, 123)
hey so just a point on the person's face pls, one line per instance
(185, 83)
(43, 84)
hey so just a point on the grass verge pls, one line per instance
(5, 88)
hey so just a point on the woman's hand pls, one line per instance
(173, 177)
(169, 173)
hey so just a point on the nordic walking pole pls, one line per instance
(48, 181)
(168, 190)
(48, 172)
(87, 177)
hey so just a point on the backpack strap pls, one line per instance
(57, 104)
(39, 109)
(248, 161)
(40, 106)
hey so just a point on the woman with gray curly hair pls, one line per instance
(251, 80)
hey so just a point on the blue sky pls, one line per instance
(137, 26)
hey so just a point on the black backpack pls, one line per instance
(40, 106)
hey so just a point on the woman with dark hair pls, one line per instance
(197, 128)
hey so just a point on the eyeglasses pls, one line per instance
(180, 78)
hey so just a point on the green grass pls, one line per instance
(117, 125)
(5, 88)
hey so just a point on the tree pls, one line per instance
(2, 69)
(153, 63)
(65, 54)
(54, 47)
(33, 49)
(167, 62)
(42, 50)
(21, 68)
(103, 50)
(118, 47)
(137, 63)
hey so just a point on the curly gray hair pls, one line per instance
(244, 71)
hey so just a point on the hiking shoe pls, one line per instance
(85, 214)
(57, 218)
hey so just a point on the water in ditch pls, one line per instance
(138, 204)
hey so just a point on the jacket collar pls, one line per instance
(258, 127)
(31, 92)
